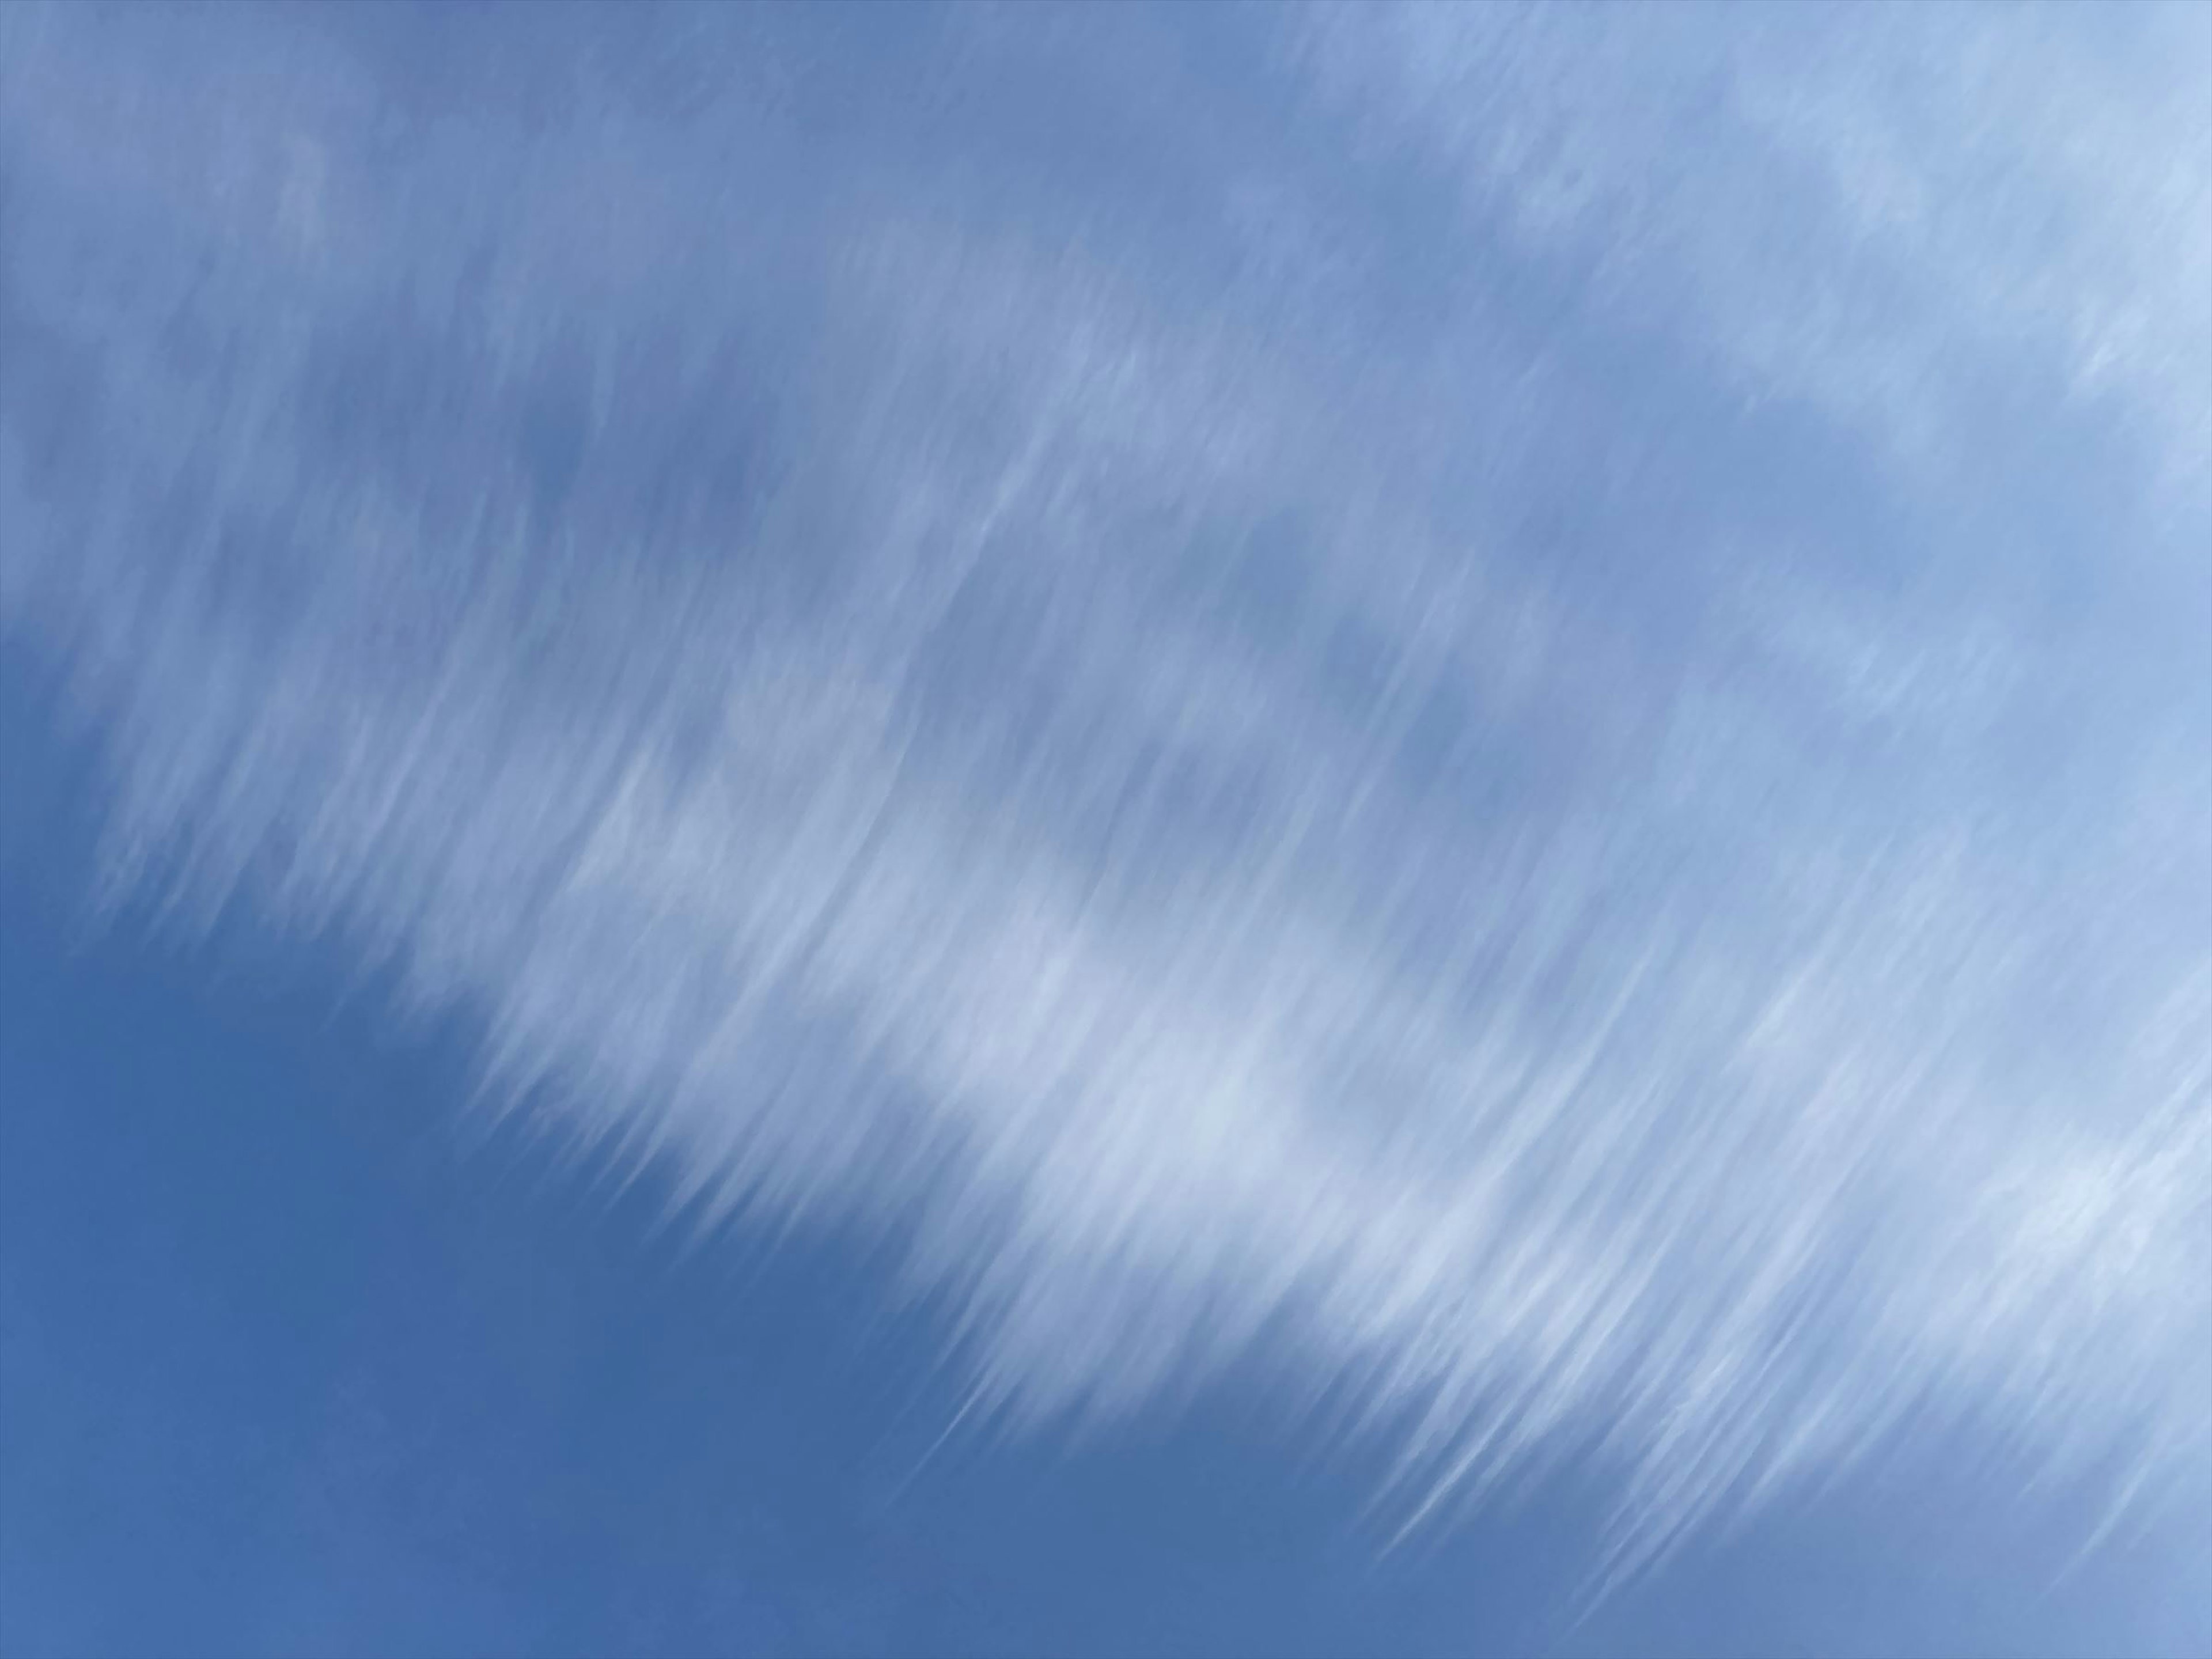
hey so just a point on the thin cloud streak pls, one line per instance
(1255, 787)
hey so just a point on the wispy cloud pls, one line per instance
(1247, 738)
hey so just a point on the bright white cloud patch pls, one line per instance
(1522, 706)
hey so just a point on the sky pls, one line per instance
(1105, 830)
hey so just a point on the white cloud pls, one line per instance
(1022, 742)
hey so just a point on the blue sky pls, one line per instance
(1194, 831)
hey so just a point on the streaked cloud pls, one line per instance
(1516, 708)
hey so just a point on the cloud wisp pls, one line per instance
(1515, 714)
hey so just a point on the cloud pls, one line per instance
(1213, 733)
(1872, 214)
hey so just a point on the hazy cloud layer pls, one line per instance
(1517, 705)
